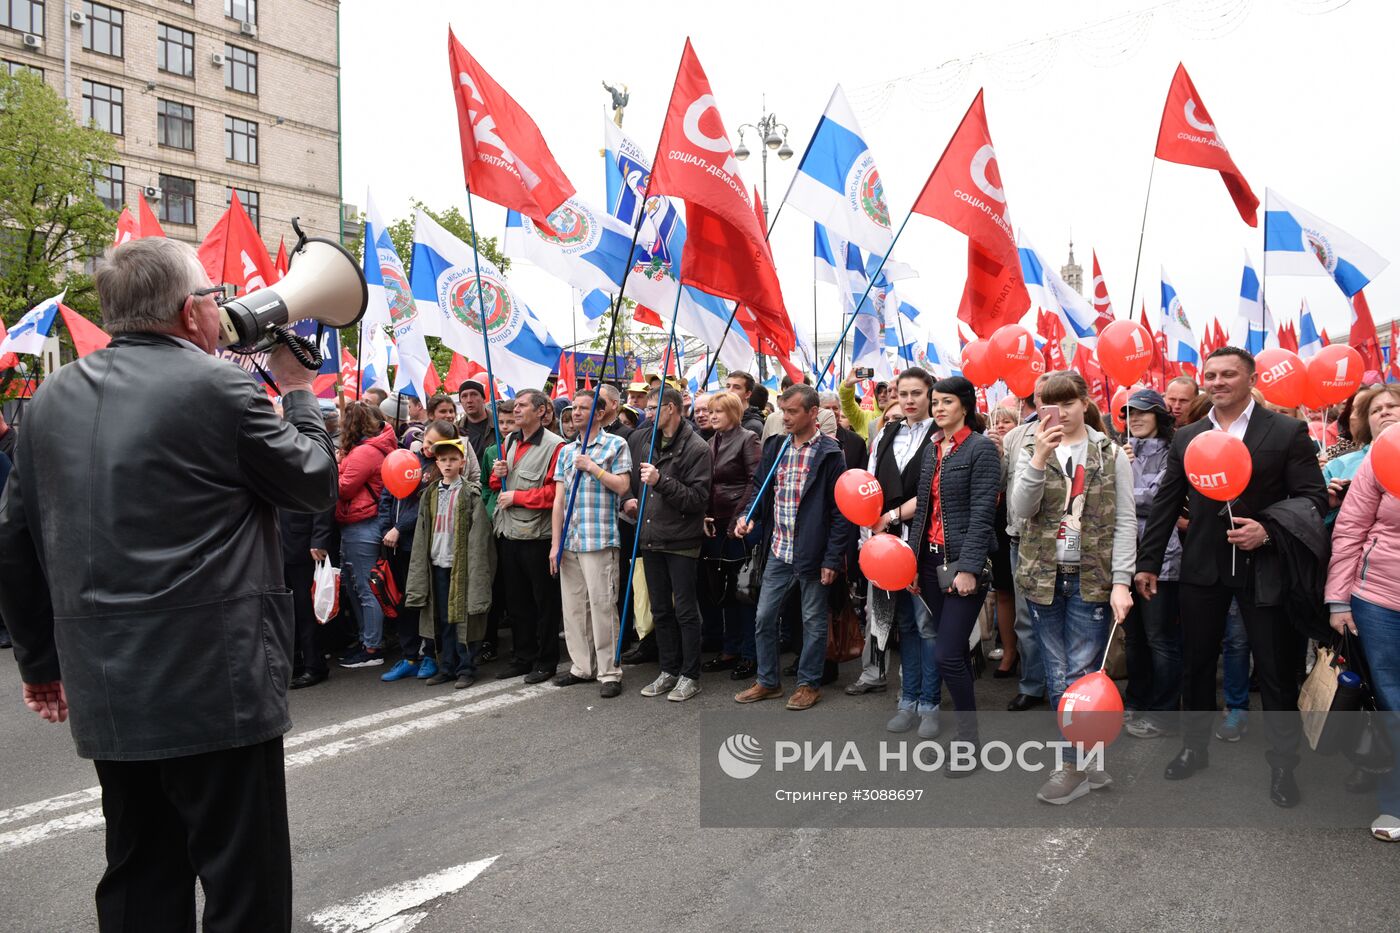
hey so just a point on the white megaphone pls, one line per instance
(323, 283)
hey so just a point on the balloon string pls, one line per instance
(1234, 551)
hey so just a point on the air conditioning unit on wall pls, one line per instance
(248, 29)
(217, 59)
(77, 18)
(32, 41)
(152, 193)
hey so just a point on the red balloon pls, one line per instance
(1385, 459)
(1218, 464)
(1091, 710)
(1335, 373)
(859, 497)
(977, 364)
(1125, 352)
(1009, 350)
(1022, 384)
(1283, 377)
(401, 472)
(888, 562)
(1120, 398)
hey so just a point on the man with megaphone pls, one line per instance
(152, 475)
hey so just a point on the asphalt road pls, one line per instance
(589, 810)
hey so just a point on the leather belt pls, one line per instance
(1071, 569)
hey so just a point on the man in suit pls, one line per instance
(1217, 565)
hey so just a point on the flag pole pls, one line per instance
(642, 504)
(1142, 232)
(869, 284)
(485, 339)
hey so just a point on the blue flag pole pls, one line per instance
(869, 284)
(642, 504)
(758, 496)
(485, 338)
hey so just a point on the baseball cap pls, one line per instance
(1147, 400)
(454, 442)
(638, 387)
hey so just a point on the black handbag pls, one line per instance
(749, 579)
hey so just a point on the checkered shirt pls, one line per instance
(593, 526)
(787, 493)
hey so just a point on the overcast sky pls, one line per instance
(1303, 92)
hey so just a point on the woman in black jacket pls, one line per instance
(952, 533)
(735, 452)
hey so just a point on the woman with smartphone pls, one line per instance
(1074, 493)
(953, 513)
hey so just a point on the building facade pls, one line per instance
(203, 97)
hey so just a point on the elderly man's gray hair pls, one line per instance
(142, 284)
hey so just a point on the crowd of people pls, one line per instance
(1038, 514)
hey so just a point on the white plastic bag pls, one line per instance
(325, 590)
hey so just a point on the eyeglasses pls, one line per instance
(221, 293)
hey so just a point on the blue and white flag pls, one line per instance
(586, 247)
(696, 372)
(445, 284)
(656, 264)
(1309, 340)
(1299, 243)
(378, 357)
(391, 303)
(902, 332)
(31, 330)
(1181, 339)
(836, 183)
(595, 306)
(1256, 324)
(1054, 296)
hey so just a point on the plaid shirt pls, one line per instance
(787, 493)
(593, 526)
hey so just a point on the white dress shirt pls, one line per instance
(1239, 425)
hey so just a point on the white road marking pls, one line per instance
(376, 910)
(87, 819)
(61, 802)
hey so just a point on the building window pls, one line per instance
(249, 200)
(14, 68)
(102, 33)
(241, 72)
(102, 107)
(176, 199)
(240, 140)
(110, 184)
(245, 11)
(175, 50)
(23, 15)
(175, 124)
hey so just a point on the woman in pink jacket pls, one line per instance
(1363, 592)
(365, 440)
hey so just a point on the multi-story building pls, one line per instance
(203, 97)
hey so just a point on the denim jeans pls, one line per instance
(1236, 660)
(453, 657)
(1379, 629)
(1027, 642)
(778, 578)
(1072, 635)
(919, 682)
(359, 546)
(1152, 637)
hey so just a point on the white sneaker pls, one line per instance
(664, 683)
(1065, 784)
(1386, 828)
(685, 688)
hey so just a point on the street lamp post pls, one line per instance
(772, 135)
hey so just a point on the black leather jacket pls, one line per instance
(148, 501)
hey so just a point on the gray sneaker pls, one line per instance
(902, 721)
(1233, 727)
(685, 688)
(664, 683)
(1097, 778)
(928, 724)
(1065, 784)
(1386, 828)
(1144, 728)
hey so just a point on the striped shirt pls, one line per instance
(445, 523)
(593, 525)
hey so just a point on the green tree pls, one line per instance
(51, 219)
(401, 235)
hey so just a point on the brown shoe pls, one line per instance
(758, 692)
(804, 697)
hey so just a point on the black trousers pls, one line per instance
(675, 611)
(532, 602)
(1275, 644)
(220, 817)
(310, 652)
(406, 625)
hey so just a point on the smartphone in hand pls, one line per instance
(1049, 416)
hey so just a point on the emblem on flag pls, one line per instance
(461, 296)
(869, 192)
(572, 230)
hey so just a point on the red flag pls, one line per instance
(431, 380)
(964, 190)
(638, 376)
(1393, 372)
(644, 315)
(281, 263)
(793, 371)
(1288, 337)
(9, 360)
(587, 382)
(1363, 334)
(1188, 136)
(725, 253)
(478, 373)
(457, 372)
(1052, 329)
(1157, 369)
(234, 254)
(146, 218)
(1326, 341)
(86, 335)
(1103, 307)
(568, 376)
(127, 228)
(504, 157)
(1089, 368)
